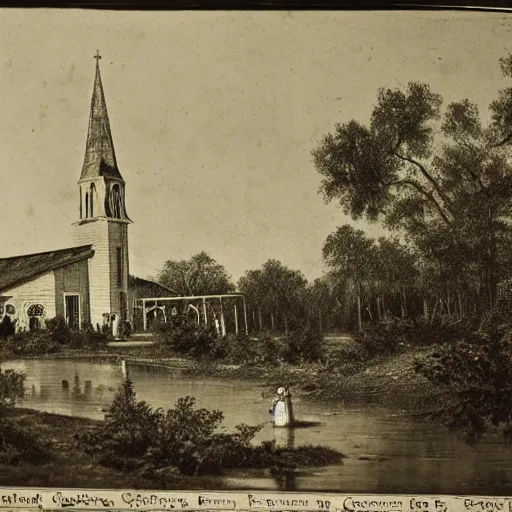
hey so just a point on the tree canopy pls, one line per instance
(435, 174)
(200, 275)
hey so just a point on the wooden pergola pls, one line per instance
(203, 300)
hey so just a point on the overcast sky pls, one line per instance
(213, 116)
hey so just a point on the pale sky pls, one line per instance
(214, 116)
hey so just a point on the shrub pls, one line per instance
(16, 443)
(301, 346)
(236, 349)
(134, 437)
(477, 373)
(183, 335)
(126, 434)
(392, 336)
(28, 343)
(11, 387)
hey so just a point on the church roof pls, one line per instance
(20, 269)
(100, 157)
(135, 281)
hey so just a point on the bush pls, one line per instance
(477, 373)
(182, 335)
(20, 444)
(28, 344)
(390, 337)
(134, 437)
(235, 349)
(11, 388)
(302, 346)
(17, 443)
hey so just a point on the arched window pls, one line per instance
(92, 199)
(10, 309)
(86, 204)
(80, 190)
(116, 202)
(35, 313)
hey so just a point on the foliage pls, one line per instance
(17, 443)
(20, 444)
(305, 345)
(392, 336)
(126, 434)
(135, 437)
(11, 387)
(477, 373)
(182, 335)
(436, 175)
(200, 275)
(278, 292)
(28, 344)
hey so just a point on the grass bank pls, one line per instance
(69, 466)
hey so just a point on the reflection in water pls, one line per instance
(284, 437)
(386, 451)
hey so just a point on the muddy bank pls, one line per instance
(389, 381)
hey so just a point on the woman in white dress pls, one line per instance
(282, 408)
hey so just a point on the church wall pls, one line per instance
(37, 291)
(73, 278)
(118, 234)
(96, 233)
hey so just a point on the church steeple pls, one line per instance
(100, 157)
(102, 188)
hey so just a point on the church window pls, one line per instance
(35, 310)
(86, 204)
(80, 203)
(119, 255)
(115, 202)
(92, 199)
(91, 204)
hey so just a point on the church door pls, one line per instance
(72, 311)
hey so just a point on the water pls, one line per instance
(386, 450)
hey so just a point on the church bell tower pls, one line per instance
(103, 220)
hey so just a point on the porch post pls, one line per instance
(245, 316)
(144, 318)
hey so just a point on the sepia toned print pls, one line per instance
(255, 252)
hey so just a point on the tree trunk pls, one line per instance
(254, 319)
(320, 326)
(425, 309)
(272, 320)
(359, 318)
(285, 324)
(259, 318)
(379, 312)
(461, 310)
(402, 305)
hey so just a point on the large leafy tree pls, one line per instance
(439, 176)
(200, 275)
(351, 255)
(276, 292)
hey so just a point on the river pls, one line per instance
(387, 451)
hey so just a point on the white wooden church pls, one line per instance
(88, 283)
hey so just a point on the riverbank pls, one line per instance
(69, 466)
(345, 379)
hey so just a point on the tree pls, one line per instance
(351, 254)
(200, 275)
(440, 177)
(275, 291)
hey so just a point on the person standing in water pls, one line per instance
(282, 408)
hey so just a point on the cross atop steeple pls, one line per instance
(100, 158)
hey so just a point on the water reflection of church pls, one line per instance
(88, 283)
